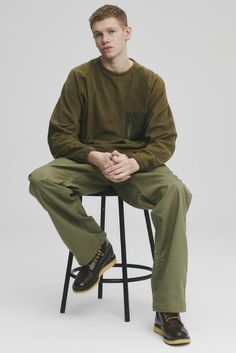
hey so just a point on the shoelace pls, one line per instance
(92, 264)
(171, 316)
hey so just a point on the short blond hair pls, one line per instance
(109, 11)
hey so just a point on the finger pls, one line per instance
(119, 176)
(118, 171)
(108, 164)
(121, 159)
(115, 180)
(115, 159)
(113, 167)
(120, 180)
(115, 153)
(118, 159)
(121, 168)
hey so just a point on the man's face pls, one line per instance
(110, 37)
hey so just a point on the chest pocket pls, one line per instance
(134, 125)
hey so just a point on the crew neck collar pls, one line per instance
(115, 73)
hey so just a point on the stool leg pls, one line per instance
(149, 229)
(66, 283)
(124, 260)
(102, 225)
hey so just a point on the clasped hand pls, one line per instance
(114, 166)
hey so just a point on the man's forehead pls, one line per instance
(104, 24)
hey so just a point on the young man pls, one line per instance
(112, 126)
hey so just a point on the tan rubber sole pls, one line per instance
(180, 341)
(104, 269)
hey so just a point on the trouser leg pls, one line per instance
(169, 199)
(58, 186)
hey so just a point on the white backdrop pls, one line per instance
(191, 45)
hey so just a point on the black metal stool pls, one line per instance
(125, 279)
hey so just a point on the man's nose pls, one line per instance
(105, 38)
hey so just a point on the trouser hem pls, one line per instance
(169, 310)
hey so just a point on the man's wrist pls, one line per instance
(92, 157)
(134, 164)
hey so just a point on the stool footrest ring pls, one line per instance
(120, 280)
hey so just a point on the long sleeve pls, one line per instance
(65, 122)
(160, 131)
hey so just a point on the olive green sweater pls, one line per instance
(102, 110)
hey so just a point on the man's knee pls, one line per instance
(178, 188)
(176, 184)
(37, 177)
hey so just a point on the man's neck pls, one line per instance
(118, 64)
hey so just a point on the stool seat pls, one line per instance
(109, 191)
(71, 272)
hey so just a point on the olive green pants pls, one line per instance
(58, 186)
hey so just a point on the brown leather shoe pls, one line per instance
(89, 275)
(169, 326)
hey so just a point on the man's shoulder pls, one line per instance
(84, 68)
(149, 75)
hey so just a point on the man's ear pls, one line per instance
(128, 33)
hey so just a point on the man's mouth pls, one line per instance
(106, 48)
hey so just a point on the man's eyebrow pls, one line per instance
(106, 30)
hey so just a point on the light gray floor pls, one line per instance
(32, 276)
